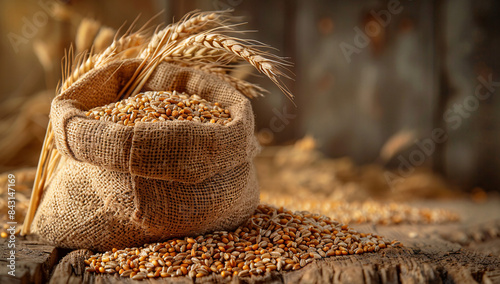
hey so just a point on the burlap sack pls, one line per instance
(123, 186)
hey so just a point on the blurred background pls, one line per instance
(391, 96)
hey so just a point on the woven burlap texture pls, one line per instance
(122, 186)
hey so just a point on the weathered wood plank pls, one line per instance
(429, 259)
(33, 264)
(71, 268)
(430, 255)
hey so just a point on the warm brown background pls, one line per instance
(424, 62)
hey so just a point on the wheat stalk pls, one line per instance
(246, 88)
(40, 179)
(264, 62)
(216, 46)
(165, 39)
(197, 53)
(104, 39)
(225, 48)
(190, 24)
(50, 158)
(87, 62)
(85, 34)
(199, 38)
(120, 48)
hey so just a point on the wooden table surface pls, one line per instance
(464, 252)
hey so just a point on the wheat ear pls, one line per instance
(85, 34)
(190, 39)
(190, 24)
(104, 39)
(273, 67)
(246, 88)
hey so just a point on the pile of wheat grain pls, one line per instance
(273, 239)
(161, 106)
(383, 213)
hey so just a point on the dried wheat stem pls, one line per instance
(50, 157)
(53, 163)
(37, 188)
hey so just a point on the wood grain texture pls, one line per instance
(464, 252)
(34, 261)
